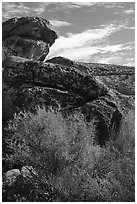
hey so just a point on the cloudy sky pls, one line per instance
(87, 31)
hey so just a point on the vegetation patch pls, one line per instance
(69, 165)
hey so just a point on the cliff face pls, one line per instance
(61, 83)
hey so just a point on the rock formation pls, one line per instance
(94, 89)
(59, 82)
(28, 37)
(29, 84)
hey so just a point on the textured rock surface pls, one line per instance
(28, 172)
(69, 63)
(59, 82)
(35, 83)
(47, 81)
(28, 37)
(120, 80)
(11, 176)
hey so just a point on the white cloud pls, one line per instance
(91, 46)
(116, 54)
(128, 27)
(109, 60)
(74, 5)
(111, 48)
(57, 23)
(39, 10)
(130, 64)
(80, 45)
(129, 11)
(116, 48)
(80, 4)
(12, 9)
(81, 53)
(86, 53)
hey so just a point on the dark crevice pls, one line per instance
(39, 84)
(49, 85)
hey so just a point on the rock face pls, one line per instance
(28, 37)
(59, 82)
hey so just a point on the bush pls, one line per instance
(64, 154)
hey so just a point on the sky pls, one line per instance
(93, 32)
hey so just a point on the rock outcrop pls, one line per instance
(28, 84)
(28, 37)
(59, 82)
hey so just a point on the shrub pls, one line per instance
(65, 156)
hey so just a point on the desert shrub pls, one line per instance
(120, 154)
(64, 154)
(6, 52)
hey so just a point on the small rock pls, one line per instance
(11, 176)
(28, 172)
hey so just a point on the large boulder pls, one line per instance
(33, 83)
(28, 37)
